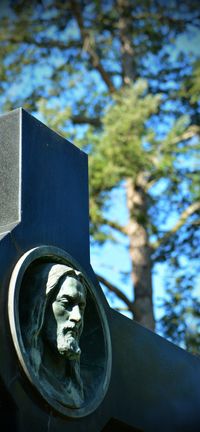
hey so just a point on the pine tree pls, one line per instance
(103, 74)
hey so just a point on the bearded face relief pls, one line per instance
(54, 309)
(68, 309)
(56, 327)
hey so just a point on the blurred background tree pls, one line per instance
(121, 79)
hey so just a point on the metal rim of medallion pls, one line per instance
(42, 254)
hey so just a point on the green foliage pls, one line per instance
(125, 132)
(191, 86)
(54, 116)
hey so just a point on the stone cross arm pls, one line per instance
(68, 362)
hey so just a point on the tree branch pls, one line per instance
(45, 43)
(188, 134)
(117, 292)
(115, 225)
(87, 46)
(80, 119)
(183, 218)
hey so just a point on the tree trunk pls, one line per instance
(125, 26)
(140, 252)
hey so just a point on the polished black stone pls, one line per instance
(154, 385)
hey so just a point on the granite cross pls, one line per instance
(132, 379)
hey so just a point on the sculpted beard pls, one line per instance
(68, 343)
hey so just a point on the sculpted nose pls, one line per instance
(75, 314)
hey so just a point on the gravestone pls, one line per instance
(68, 362)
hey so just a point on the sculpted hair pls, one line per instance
(45, 280)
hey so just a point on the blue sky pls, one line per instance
(106, 259)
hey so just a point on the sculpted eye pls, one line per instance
(64, 302)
